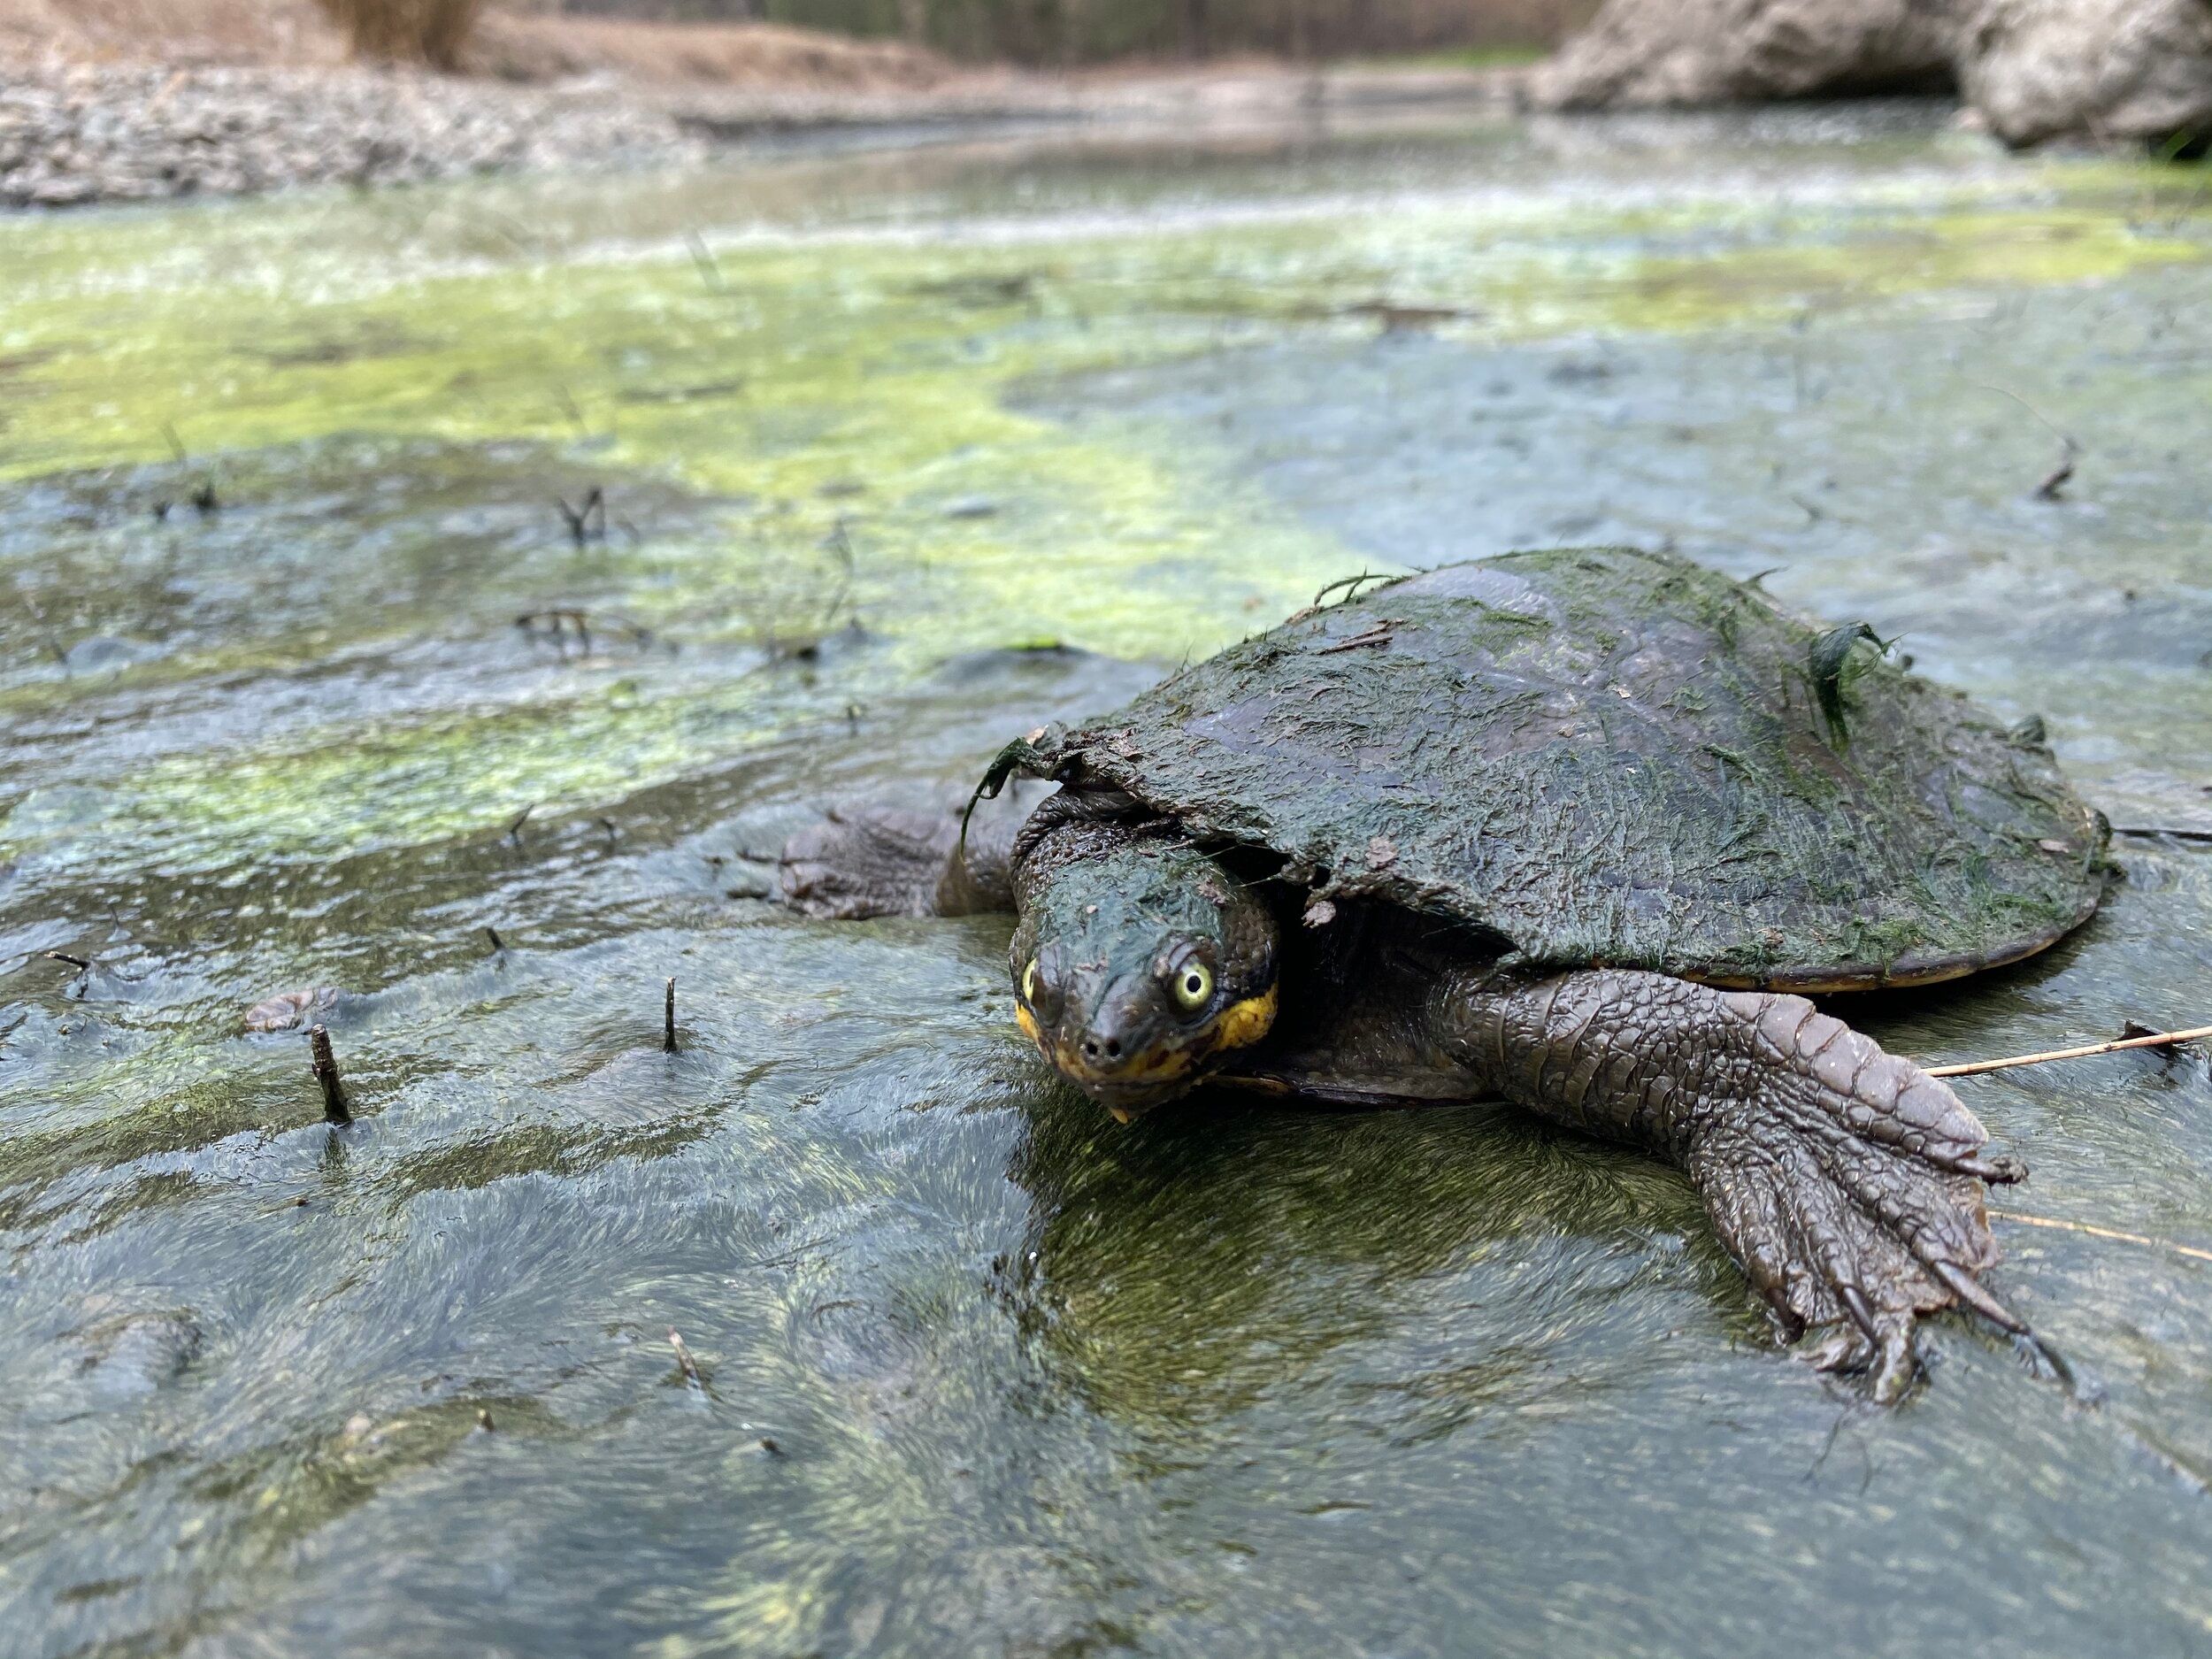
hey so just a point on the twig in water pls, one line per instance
(78, 963)
(554, 623)
(668, 1020)
(709, 272)
(2047, 490)
(176, 444)
(589, 521)
(839, 544)
(2025, 1220)
(514, 828)
(2055, 481)
(2156, 1039)
(335, 1108)
(491, 934)
(684, 1362)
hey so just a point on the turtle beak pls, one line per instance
(1114, 1045)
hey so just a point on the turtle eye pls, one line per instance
(1194, 986)
(1029, 983)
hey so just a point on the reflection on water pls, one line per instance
(902, 452)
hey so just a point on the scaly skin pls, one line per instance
(1844, 1180)
(878, 860)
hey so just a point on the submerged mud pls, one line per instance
(899, 458)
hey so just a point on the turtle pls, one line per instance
(1580, 830)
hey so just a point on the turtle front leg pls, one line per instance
(1845, 1182)
(874, 859)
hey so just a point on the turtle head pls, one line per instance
(1140, 965)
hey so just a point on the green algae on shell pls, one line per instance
(1504, 745)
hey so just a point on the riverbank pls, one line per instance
(81, 133)
(74, 134)
(246, 101)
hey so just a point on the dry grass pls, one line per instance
(748, 54)
(282, 32)
(511, 45)
(407, 31)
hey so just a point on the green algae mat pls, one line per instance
(446, 600)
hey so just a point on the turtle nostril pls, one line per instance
(1090, 1047)
(1113, 1048)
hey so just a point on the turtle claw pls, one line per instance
(1999, 1169)
(1971, 1294)
(1853, 1301)
(1898, 1369)
(1848, 1348)
(1838, 1348)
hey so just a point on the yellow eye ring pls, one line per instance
(1029, 982)
(1194, 986)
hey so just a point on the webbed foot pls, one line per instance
(878, 858)
(868, 860)
(1847, 1184)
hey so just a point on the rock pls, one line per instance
(1641, 53)
(2133, 69)
(290, 1009)
(2032, 70)
(129, 1354)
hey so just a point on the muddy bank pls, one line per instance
(76, 133)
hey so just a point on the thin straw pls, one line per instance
(2156, 1039)
(2190, 1250)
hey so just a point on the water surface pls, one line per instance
(899, 453)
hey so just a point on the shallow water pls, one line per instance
(901, 453)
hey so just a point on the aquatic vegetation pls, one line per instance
(793, 399)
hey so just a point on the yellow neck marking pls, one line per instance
(1243, 1024)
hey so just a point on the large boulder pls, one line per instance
(2132, 69)
(2034, 69)
(1642, 53)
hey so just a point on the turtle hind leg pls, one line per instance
(1845, 1182)
(871, 859)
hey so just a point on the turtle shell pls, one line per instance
(1609, 756)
